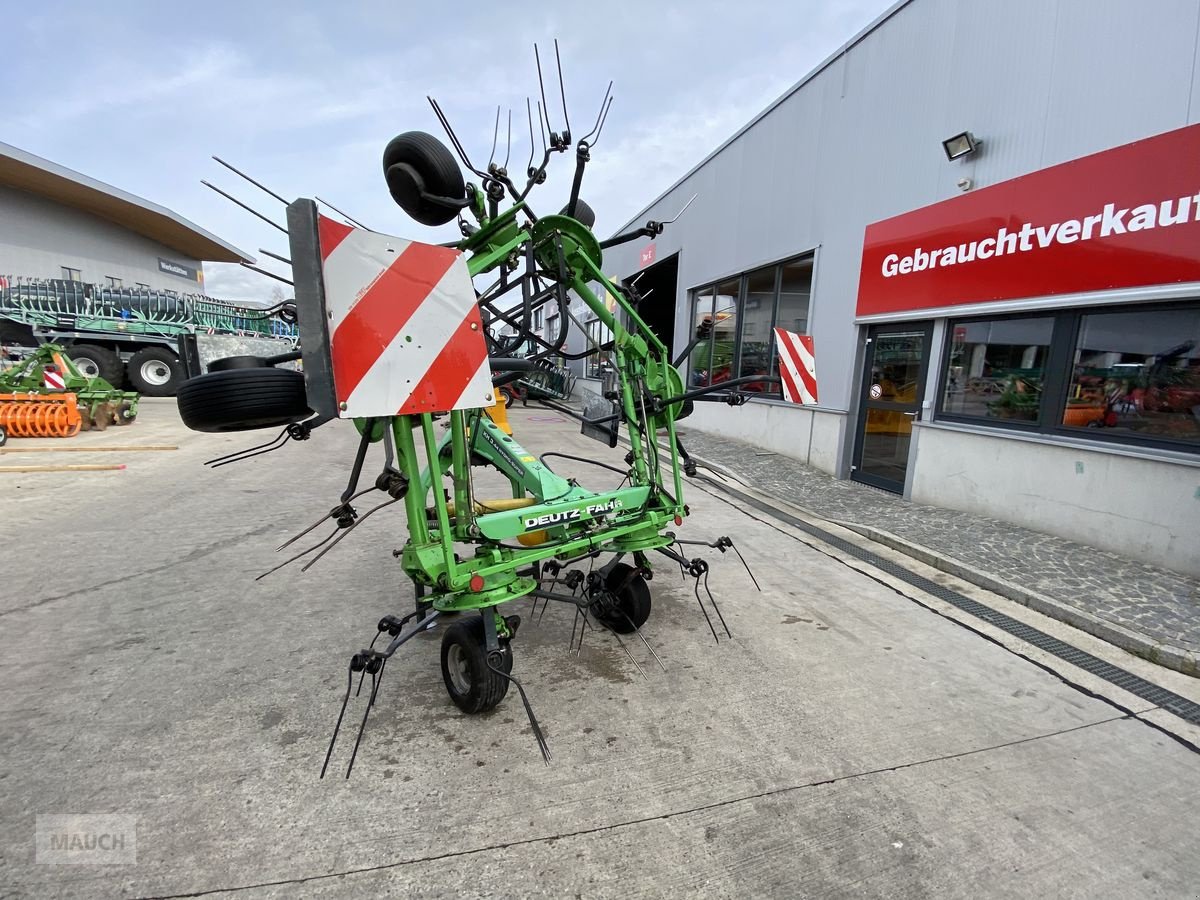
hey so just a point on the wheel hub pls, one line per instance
(456, 667)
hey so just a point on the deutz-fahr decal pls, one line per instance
(566, 516)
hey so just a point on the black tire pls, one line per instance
(124, 414)
(155, 372)
(630, 606)
(95, 361)
(472, 686)
(237, 362)
(416, 163)
(584, 214)
(243, 399)
(3, 436)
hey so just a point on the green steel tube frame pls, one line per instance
(632, 519)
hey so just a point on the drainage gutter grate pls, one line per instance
(1182, 707)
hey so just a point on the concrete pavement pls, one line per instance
(1144, 609)
(853, 739)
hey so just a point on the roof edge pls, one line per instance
(52, 168)
(822, 66)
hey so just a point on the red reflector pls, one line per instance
(53, 370)
(477, 583)
(679, 520)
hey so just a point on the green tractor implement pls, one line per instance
(45, 395)
(393, 336)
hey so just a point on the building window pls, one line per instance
(598, 334)
(112, 281)
(1127, 375)
(537, 319)
(996, 368)
(1137, 373)
(743, 313)
(70, 274)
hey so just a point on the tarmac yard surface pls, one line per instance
(852, 739)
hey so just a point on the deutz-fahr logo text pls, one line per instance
(562, 517)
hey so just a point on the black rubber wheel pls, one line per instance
(416, 163)
(630, 607)
(124, 414)
(584, 214)
(100, 362)
(155, 372)
(3, 436)
(242, 399)
(237, 362)
(472, 686)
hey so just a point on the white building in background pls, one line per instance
(987, 215)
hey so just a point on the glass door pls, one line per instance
(893, 386)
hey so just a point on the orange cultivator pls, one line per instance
(45, 395)
(40, 415)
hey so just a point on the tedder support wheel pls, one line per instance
(630, 606)
(242, 399)
(155, 372)
(97, 362)
(472, 686)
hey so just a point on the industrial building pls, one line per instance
(987, 216)
(58, 224)
(115, 277)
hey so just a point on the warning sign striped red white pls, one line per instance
(797, 366)
(53, 379)
(405, 331)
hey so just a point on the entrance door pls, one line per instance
(893, 388)
(657, 285)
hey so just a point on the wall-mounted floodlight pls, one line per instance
(961, 145)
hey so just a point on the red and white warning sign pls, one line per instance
(797, 366)
(53, 379)
(405, 331)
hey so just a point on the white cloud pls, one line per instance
(304, 98)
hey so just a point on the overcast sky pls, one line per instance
(304, 95)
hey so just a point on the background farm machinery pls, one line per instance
(397, 336)
(46, 395)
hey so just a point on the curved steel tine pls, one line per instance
(613, 632)
(279, 439)
(533, 722)
(338, 726)
(375, 680)
(562, 91)
(508, 142)
(261, 187)
(638, 632)
(495, 135)
(363, 673)
(537, 58)
(682, 211)
(599, 114)
(707, 618)
(292, 559)
(344, 215)
(328, 515)
(603, 119)
(747, 565)
(346, 531)
(713, 601)
(462, 153)
(247, 207)
(529, 113)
